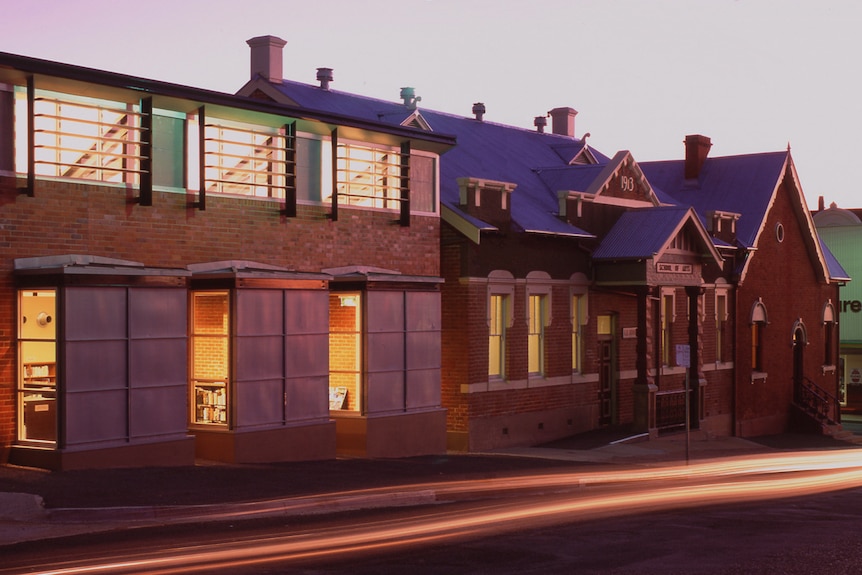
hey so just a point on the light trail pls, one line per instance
(610, 493)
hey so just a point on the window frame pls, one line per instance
(43, 382)
(357, 334)
(42, 126)
(667, 314)
(829, 336)
(217, 413)
(500, 283)
(721, 319)
(759, 319)
(536, 312)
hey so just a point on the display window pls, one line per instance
(210, 367)
(37, 366)
(345, 352)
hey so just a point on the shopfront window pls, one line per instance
(345, 352)
(210, 357)
(37, 371)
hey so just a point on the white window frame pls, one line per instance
(501, 283)
(667, 321)
(538, 285)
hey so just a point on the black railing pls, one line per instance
(817, 402)
(670, 409)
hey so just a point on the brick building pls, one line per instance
(187, 273)
(578, 285)
(295, 272)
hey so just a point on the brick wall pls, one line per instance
(785, 276)
(86, 218)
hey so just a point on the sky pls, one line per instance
(753, 75)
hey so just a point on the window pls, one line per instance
(210, 357)
(536, 334)
(577, 343)
(720, 325)
(245, 160)
(369, 177)
(756, 346)
(311, 172)
(37, 372)
(758, 324)
(667, 319)
(497, 336)
(423, 188)
(829, 334)
(168, 144)
(77, 137)
(345, 352)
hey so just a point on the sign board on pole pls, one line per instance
(683, 356)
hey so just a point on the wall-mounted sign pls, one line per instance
(630, 332)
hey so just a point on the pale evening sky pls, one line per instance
(753, 75)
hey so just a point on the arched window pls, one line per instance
(759, 321)
(829, 334)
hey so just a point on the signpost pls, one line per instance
(683, 359)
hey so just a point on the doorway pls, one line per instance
(607, 370)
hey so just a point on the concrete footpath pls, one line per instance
(37, 504)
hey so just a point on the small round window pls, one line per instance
(779, 232)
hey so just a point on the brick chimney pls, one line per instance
(563, 121)
(696, 149)
(266, 57)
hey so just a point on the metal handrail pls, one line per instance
(817, 401)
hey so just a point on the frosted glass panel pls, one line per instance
(95, 313)
(260, 312)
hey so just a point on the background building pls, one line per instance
(841, 230)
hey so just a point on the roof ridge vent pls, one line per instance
(479, 110)
(540, 122)
(324, 76)
(411, 100)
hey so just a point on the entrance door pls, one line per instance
(607, 370)
(605, 383)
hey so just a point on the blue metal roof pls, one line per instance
(485, 150)
(641, 233)
(738, 184)
(538, 164)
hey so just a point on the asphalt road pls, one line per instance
(814, 534)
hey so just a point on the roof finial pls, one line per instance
(788, 145)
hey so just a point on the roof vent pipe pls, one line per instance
(409, 96)
(479, 110)
(324, 76)
(540, 122)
